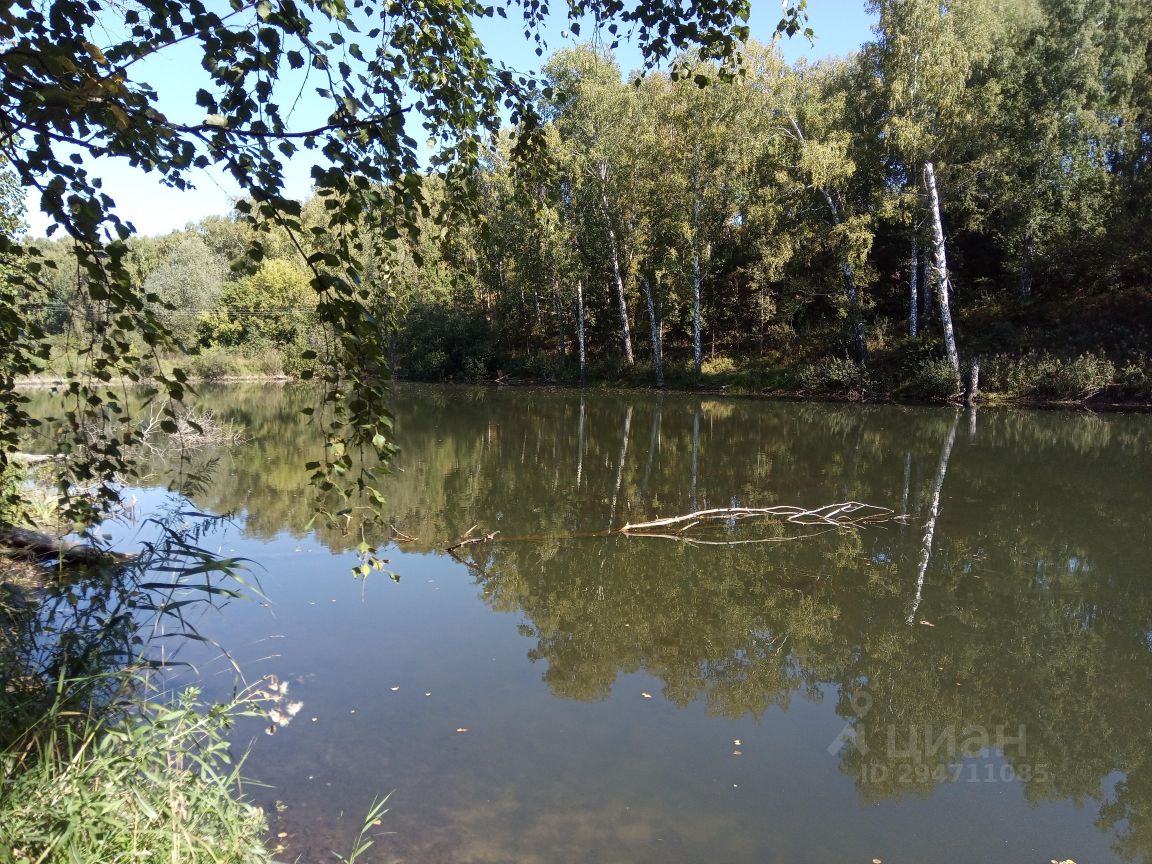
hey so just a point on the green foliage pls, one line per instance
(188, 283)
(276, 306)
(68, 94)
(157, 779)
(212, 364)
(833, 376)
(1043, 377)
(438, 345)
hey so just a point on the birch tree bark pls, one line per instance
(559, 316)
(617, 273)
(655, 326)
(943, 284)
(580, 325)
(914, 290)
(697, 276)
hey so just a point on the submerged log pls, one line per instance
(40, 545)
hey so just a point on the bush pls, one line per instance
(1135, 379)
(269, 361)
(832, 376)
(933, 378)
(1045, 378)
(539, 366)
(718, 366)
(211, 364)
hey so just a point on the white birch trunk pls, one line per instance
(914, 292)
(655, 326)
(580, 325)
(850, 290)
(697, 276)
(559, 316)
(943, 284)
(617, 273)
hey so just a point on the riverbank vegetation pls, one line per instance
(97, 761)
(967, 186)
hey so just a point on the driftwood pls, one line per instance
(467, 540)
(830, 517)
(400, 537)
(39, 545)
(36, 458)
(850, 514)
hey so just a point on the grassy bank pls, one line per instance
(95, 764)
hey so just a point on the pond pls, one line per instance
(971, 683)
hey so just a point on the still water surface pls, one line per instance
(838, 697)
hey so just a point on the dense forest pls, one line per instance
(972, 185)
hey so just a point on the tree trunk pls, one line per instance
(973, 382)
(580, 325)
(943, 283)
(927, 286)
(850, 290)
(38, 545)
(655, 326)
(933, 513)
(914, 293)
(1026, 271)
(559, 316)
(617, 274)
(697, 275)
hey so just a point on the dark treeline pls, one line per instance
(973, 183)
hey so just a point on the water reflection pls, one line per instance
(1003, 635)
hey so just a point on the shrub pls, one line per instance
(1135, 378)
(1051, 379)
(539, 366)
(832, 375)
(933, 378)
(268, 361)
(211, 364)
(718, 366)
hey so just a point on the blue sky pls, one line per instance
(840, 25)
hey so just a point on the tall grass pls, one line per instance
(92, 767)
(147, 782)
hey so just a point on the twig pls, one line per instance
(401, 536)
(468, 541)
(845, 515)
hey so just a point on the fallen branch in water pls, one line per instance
(191, 430)
(466, 540)
(400, 537)
(830, 517)
(850, 514)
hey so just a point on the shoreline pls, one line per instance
(985, 400)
